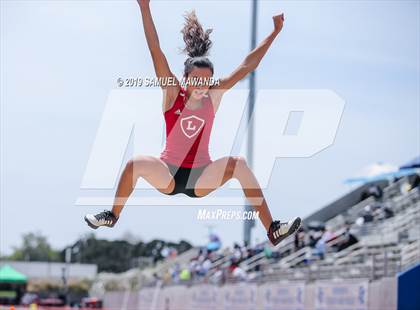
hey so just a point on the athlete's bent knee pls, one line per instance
(238, 164)
(240, 161)
(136, 166)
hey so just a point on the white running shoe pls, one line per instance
(105, 218)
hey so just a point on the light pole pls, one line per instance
(248, 224)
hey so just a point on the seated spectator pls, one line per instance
(219, 277)
(388, 212)
(175, 271)
(313, 238)
(299, 241)
(239, 274)
(193, 266)
(405, 187)
(328, 235)
(349, 240)
(320, 247)
(205, 267)
(237, 253)
(368, 214)
(321, 244)
(185, 275)
(268, 252)
(373, 191)
(251, 252)
(415, 182)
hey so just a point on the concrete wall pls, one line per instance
(383, 294)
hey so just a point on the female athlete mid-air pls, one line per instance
(189, 109)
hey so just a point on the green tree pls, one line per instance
(35, 247)
(118, 255)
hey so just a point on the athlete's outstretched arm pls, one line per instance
(253, 59)
(159, 60)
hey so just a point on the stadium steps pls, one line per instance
(410, 254)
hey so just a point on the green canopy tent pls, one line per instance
(10, 275)
(12, 285)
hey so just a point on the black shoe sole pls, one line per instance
(90, 224)
(295, 226)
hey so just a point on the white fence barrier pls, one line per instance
(319, 295)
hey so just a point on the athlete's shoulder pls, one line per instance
(172, 98)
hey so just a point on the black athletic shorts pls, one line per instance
(185, 179)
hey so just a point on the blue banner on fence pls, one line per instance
(283, 296)
(341, 296)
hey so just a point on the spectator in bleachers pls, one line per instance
(368, 214)
(205, 266)
(237, 252)
(219, 276)
(166, 278)
(328, 234)
(174, 273)
(268, 252)
(415, 181)
(348, 240)
(185, 275)
(405, 187)
(321, 243)
(299, 241)
(320, 248)
(373, 191)
(312, 239)
(388, 213)
(238, 273)
(250, 252)
(382, 212)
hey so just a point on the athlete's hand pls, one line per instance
(278, 22)
(143, 3)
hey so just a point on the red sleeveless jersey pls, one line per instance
(188, 133)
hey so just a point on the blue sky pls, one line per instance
(60, 60)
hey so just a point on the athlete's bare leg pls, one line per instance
(152, 169)
(220, 171)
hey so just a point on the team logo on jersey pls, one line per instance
(191, 125)
(178, 112)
